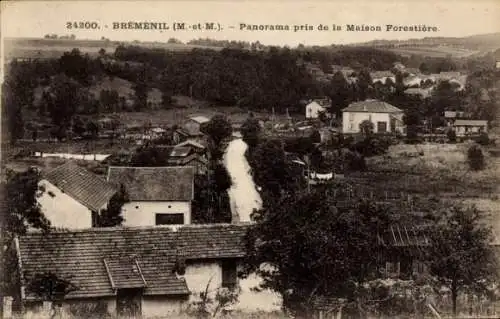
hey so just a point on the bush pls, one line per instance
(98, 309)
(371, 146)
(356, 161)
(452, 136)
(475, 157)
(483, 139)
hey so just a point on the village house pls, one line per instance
(384, 116)
(382, 76)
(412, 81)
(185, 154)
(191, 129)
(466, 127)
(158, 195)
(422, 93)
(72, 197)
(316, 106)
(141, 271)
(412, 71)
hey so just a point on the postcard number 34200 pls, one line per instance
(82, 25)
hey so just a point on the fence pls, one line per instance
(87, 157)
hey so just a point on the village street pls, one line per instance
(243, 195)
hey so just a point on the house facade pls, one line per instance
(191, 129)
(141, 271)
(158, 195)
(466, 127)
(385, 117)
(315, 107)
(382, 76)
(70, 196)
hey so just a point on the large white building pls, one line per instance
(385, 117)
(158, 195)
(71, 197)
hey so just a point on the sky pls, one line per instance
(454, 18)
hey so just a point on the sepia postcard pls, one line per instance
(250, 159)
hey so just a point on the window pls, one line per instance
(392, 269)
(381, 127)
(169, 219)
(128, 302)
(95, 219)
(229, 274)
(419, 267)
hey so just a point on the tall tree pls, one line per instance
(364, 83)
(339, 93)
(20, 210)
(141, 89)
(250, 130)
(271, 171)
(112, 215)
(12, 111)
(304, 247)
(461, 256)
(218, 129)
(65, 100)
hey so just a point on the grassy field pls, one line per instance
(436, 52)
(435, 170)
(54, 48)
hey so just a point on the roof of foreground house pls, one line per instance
(85, 187)
(100, 260)
(172, 183)
(372, 106)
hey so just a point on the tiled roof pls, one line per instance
(371, 106)
(180, 151)
(174, 183)
(80, 255)
(124, 273)
(87, 188)
(192, 143)
(200, 119)
(404, 236)
(381, 74)
(470, 123)
(418, 91)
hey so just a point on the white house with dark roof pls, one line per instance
(71, 197)
(158, 195)
(141, 271)
(384, 116)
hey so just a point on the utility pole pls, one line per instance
(308, 170)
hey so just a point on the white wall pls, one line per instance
(36, 311)
(62, 210)
(198, 274)
(142, 213)
(461, 130)
(351, 121)
(312, 109)
(162, 306)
